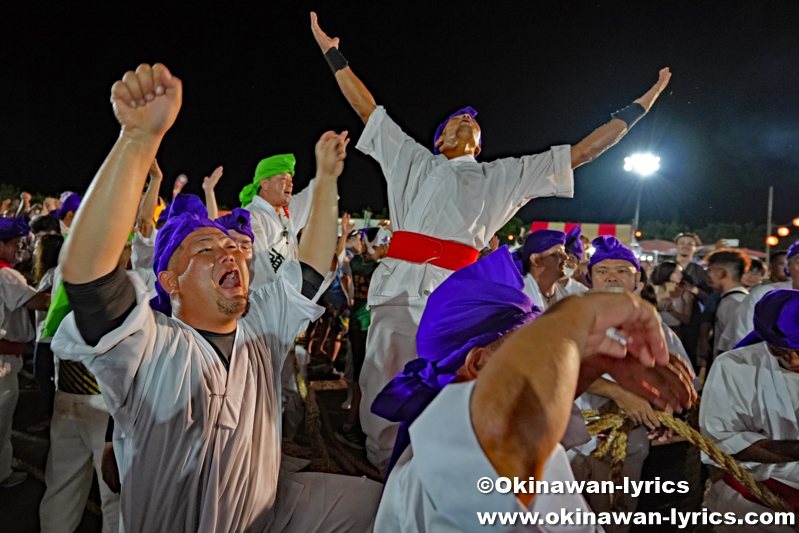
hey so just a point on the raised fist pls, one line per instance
(26, 197)
(147, 101)
(331, 150)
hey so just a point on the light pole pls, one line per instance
(643, 165)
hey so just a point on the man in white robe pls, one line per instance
(725, 268)
(466, 431)
(276, 215)
(445, 207)
(750, 409)
(741, 325)
(195, 396)
(543, 259)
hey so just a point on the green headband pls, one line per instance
(271, 166)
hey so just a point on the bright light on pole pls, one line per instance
(643, 164)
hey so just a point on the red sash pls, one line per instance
(786, 492)
(418, 248)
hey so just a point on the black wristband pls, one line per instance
(311, 280)
(630, 114)
(335, 59)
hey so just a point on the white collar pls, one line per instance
(466, 157)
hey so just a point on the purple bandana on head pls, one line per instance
(70, 203)
(11, 228)
(474, 307)
(539, 242)
(608, 247)
(237, 220)
(793, 251)
(465, 111)
(574, 245)
(776, 320)
(181, 223)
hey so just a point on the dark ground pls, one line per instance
(19, 506)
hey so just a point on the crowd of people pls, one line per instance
(172, 343)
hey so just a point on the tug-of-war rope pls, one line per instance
(619, 425)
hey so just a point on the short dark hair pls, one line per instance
(662, 273)
(694, 236)
(647, 290)
(776, 255)
(735, 260)
(757, 265)
(46, 223)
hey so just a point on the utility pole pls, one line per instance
(768, 222)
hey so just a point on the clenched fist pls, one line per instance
(147, 101)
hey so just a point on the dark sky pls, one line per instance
(539, 73)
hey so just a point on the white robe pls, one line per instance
(532, 290)
(198, 447)
(433, 486)
(747, 399)
(459, 200)
(743, 322)
(276, 235)
(575, 288)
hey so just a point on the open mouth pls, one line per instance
(230, 279)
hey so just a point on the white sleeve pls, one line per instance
(14, 289)
(741, 324)
(533, 176)
(399, 155)
(142, 251)
(725, 414)
(300, 206)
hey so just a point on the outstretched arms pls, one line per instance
(354, 90)
(210, 196)
(146, 104)
(606, 136)
(318, 242)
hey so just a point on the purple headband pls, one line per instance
(793, 251)
(574, 245)
(237, 220)
(608, 247)
(11, 228)
(465, 111)
(776, 320)
(474, 307)
(181, 223)
(70, 203)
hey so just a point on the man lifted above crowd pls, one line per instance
(197, 394)
(445, 206)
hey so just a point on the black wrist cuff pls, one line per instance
(630, 114)
(311, 280)
(335, 60)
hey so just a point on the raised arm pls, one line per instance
(145, 222)
(351, 86)
(606, 136)
(24, 204)
(146, 103)
(209, 183)
(537, 370)
(318, 242)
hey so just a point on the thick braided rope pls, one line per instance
(615, 420)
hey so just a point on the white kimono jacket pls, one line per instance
(742, 323)
(198, 447)
(746, 400)
(433, 487)
(459, 200)
(275, 241)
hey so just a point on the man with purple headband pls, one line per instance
(750, 410)
(574, 251)
(445, 206)
(237, 224)
(614, 268)
(475, 338)
(543, 261)
(16, 330)
(741, 324)
(66, 213)
(194, 389)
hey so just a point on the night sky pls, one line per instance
(539, 74)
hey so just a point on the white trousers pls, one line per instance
(10, 365)
(77, 441)
(390, 345)
(722, 498)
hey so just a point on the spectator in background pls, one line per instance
(44, 225)
(694, 279)
(725, 268)
(674, 302)
(45, 260)
(776, 268)
(647, 266)
(754, 276)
